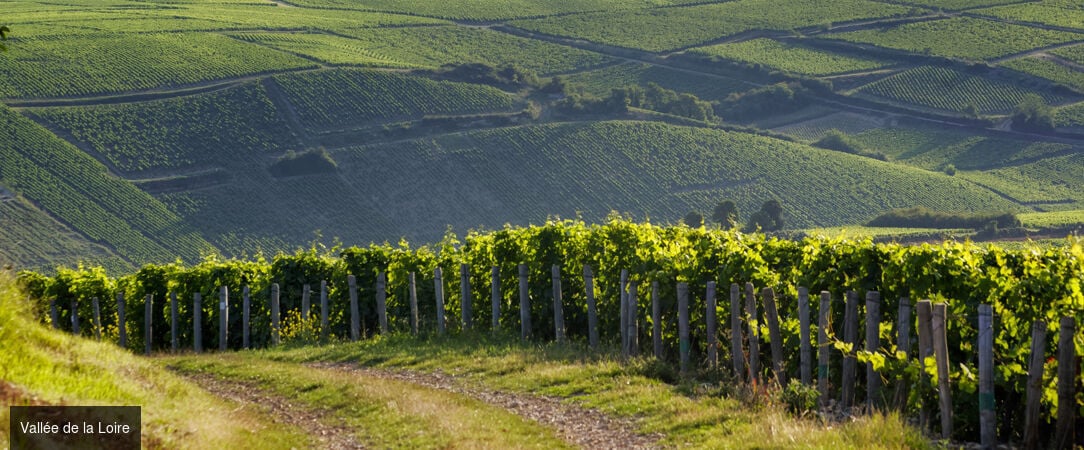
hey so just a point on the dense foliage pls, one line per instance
(308, 162)
(923, 218)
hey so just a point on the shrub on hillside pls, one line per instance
(311, 161)
(840, 141)
(920, 217)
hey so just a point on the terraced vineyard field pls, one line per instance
(600, 82)
(958, 4)
(1071, 116)
(24, 224)
(1045, 68)
(326, 48)
(436, 46)
(228, 127)
(934, 148)
(951, 90)
(960, 37)
(487, 11)
(268, 17)
(1044, 184)
(342, 98)
(1061, 13)
(653, 30)
(1053, 219)
(1074, 53)
(847, 122)
(789, 57)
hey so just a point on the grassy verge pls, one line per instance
(688, 413)
(42, 366)
(383, 413)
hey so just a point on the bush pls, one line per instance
(305, 163)
(920, 217)
(1033, 114)
(840, 141)
(767, 100)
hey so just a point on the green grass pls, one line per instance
(600, 82)
(342, 98)
(51, 367)
(1054, 219)
(945, 89)
(707, 415)
(1050, 70)
(91, 65)
(1061, 13)
(961, 37)
(789, 57)
(223, 128)
(672, 28)
(381, 412)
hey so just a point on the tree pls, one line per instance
(694, 219)
(725, 214)
(769, 218)
(758, 221)
(4, 30)
(1033, 114)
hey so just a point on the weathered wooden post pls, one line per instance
(223, 318)
(438, 293)
(558, 305)
(1035, 384)
(97, 318)
(754, 339)
(712, 343)
(174, 327)
(592, 307)
(75, 318)
(773, 333)
(355, 316)
(197, 326)
(524, 304)
(940, 351)
(413, 305)
(122, 327)
(466, 313)
(324, 329)
(656, 320)
(823, 315)
(850, 337)
(495, 299)
(903, 344)
(54, 314)
(873, 343)
(987, 416)
(623, 306)
(683, 324)
(632, 321)
(382, 301)
(1067, 365)
(246, 316)
(148, 323)
(805, 356)
(305, 304)
(275, 335)
(737, 355)
(925, 350)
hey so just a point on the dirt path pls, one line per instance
(586, 428)
(313, 422)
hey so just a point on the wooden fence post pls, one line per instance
(623, 306)
(275, 335)
(382, 301)
(495, 299)
(805, 361)
(592, 307)
(246, 316)
(174, 327)
(925, 350)
(656, 321)
(355, 319)
(54, 314)
(823, 316)
(683, 324)
(903, 344)
(987, 416)
(97, 318)
(438, 293)
(324, 311)
(223, 317)
(737, 356)
(558, 305)
(75, 317)
(850, 336)
(1067, 365)
(524, 304)
(873, 344)
(754, 339)
(197, 326)
(305, 304)
(122, 327)
(632, 322)
(148, 323)
(413, 304)
(940, 351)
(465, 305)
(709, 296)
(773, 333)
(1035, 385)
